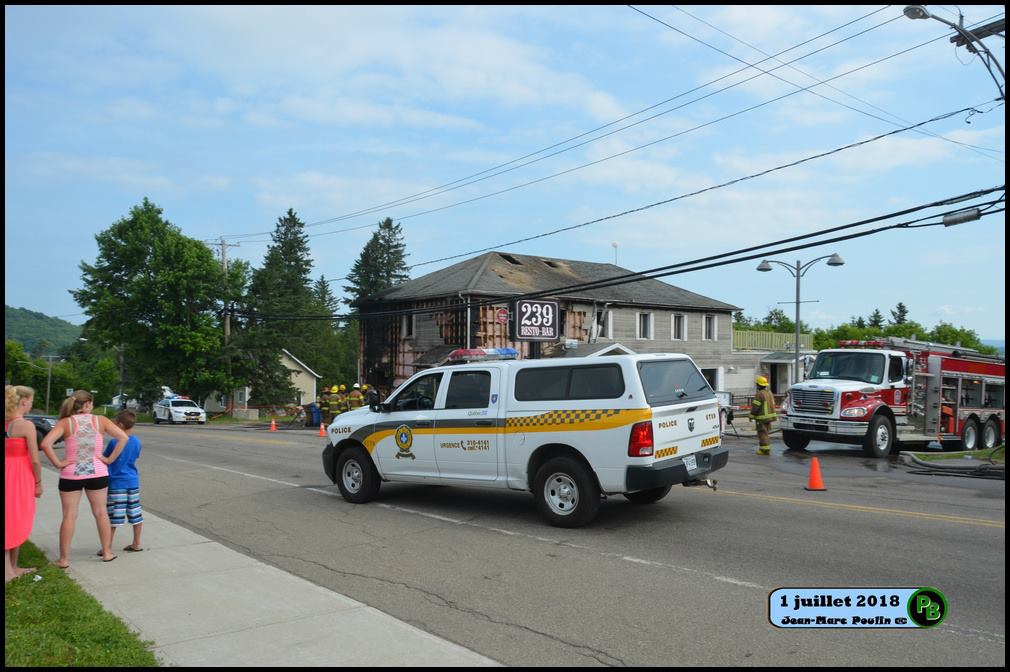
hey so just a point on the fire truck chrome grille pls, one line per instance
(813, 401)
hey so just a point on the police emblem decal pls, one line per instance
(404, 439)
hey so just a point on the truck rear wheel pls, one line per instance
(650, 496)
(880, 439)
(566, 492)
(990, 434)
(795, 441)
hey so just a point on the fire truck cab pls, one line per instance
(884, 393)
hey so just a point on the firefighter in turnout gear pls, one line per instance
(324, 405)
(335, 401)
(762, 412)
(354, 398)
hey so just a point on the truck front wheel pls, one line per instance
(969, 435)
(880, 439)
(795, 441)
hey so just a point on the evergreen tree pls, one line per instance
(900, 314)
(876, 319)
(279, 289)
(382, 263)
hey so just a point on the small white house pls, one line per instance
(304, 380)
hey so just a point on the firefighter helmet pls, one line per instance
(761, 381)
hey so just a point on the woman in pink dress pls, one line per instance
(84, 468)
(22, 476)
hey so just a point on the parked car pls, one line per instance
(179, 410)
(42, 425)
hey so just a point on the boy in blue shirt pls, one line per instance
(124, 482)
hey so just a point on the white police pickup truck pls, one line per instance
(569, 431)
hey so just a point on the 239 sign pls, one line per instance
(536, 320)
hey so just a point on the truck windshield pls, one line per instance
(673, 381)
(865, 366)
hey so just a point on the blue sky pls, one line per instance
(227, 117)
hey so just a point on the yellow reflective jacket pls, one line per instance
(762, 408)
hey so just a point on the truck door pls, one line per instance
(895, 391)
(467, 431)
(405, 443)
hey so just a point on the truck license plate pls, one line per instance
(690, 462)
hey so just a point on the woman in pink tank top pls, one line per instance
(84, 468)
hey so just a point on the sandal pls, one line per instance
(131, 549)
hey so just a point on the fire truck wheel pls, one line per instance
(990, 434)
(969, 435)
(880, 439)
(794, 441)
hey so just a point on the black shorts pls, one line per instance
(75, 484)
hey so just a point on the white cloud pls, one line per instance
(129, 173)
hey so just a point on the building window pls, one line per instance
(604, 327)
(408, 326)
(643, 326)
(710, 332)
(678, 327)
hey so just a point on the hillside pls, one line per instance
(32, 329)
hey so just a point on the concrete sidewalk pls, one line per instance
(203, 604)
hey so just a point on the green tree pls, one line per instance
(155, 294)
(382, 263)
(900, 314)
(281, 290)
(876, 320)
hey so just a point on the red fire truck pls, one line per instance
(884, 393)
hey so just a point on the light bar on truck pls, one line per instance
(482, 354)
(861, 344)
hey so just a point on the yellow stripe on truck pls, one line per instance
(576, 420)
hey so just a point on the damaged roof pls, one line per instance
(504, 274)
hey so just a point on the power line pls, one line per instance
(978, 150)
(466, 181)
(699, 191)
(696, 264)
(681, 196)
(646, 145)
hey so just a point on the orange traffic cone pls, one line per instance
(815, 482)
(273, 425)
(322, 432)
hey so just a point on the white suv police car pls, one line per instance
(566, 430)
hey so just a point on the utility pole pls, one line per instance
(224, 268)
(227, 314)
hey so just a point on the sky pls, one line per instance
(226, 117)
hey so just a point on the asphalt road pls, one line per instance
(681, 582)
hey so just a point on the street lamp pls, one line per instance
(798, 272)
(920, 12)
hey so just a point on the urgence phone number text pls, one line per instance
(476, 445)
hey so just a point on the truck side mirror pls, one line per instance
(373, 403)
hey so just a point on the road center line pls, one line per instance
(941, 517)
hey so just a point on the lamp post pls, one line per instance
(971, 40)
(798, 271)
